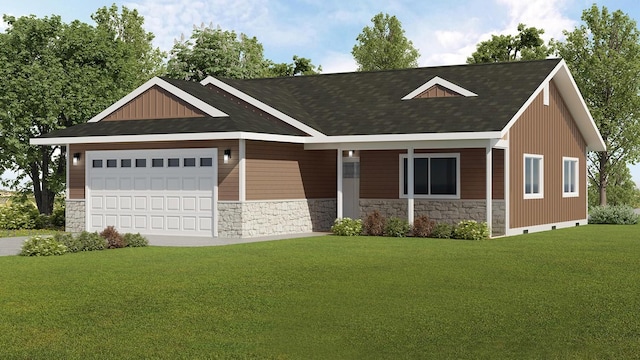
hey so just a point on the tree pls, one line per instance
(384, 46)
(55, 75)
(604, 57)
(621, 189)
(213, 51)
(526, 45)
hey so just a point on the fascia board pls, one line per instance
(442, 82)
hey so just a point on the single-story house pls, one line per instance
(504, 143)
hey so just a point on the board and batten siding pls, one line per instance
(228, 187)
(552, 132)
(279, 171)
(155, 103)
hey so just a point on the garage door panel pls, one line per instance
(157, 203)
(110, 183)
(173, 223)
(111, 202)
(110, 220)
(157, 183)
(125, 223)
(173, 203)
(140, 183)
(205, 204)
(140, 222)
(173, 183)
(157, 222)
(97, 184)
(189, 203)
(189, 223)
(126, 184)
(125, 202)
(140, 203)
(189, 184)
(97, 203)
(205, 223)
(97, 221)
(205, 184)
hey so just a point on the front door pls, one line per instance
(351, 187)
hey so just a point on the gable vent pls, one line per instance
(438, 87)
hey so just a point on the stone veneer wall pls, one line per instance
(74, 216)
(449, 211)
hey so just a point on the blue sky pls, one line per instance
(445, 32)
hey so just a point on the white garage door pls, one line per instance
(166, 192)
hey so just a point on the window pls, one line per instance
(112, 163)
(569, 177)
(206, 162)
(141, 162)
(157, 162)
(189, 162)
(434, 176)
(533, 176)
(173, 162)
(97, 163)
(126, 163)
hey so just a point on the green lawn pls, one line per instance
(566, 294)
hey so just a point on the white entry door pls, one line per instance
(351, 187)
(165, 192)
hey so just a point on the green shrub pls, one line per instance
(613, 214)
(58, 218)
(42, 246)
(423, 226)
(85, 241)
(18, 215)
(374, 224)
(114, 239)
(347, 227)
(135, 240)
(471, 230)
(442, 231)
(396, 227)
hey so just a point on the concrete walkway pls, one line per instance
(12, 246)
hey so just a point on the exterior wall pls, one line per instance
(155, 103)
(74, 216)
(437, 91)
(276, 171)
(549, 131)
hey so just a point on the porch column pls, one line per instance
(242, 170)
(339, 195)
(489, 187)
(410, 195)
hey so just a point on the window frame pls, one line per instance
(540, 193)
(429, 156)
(576, 172)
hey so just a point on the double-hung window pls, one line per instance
(533, 176)
(569, 177)
(434, 176)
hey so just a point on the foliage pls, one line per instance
(374, 224)
(604, 57)
(17, 214)
(114, 239)
(423, 226)
(299, 66)
(347, 227)
(613, 214)
(384, 46)
(42, 246)
(621, 189)
(135, 240)
(55, 75)
(442, 231)
(84, 241)
(471, 230)
(396, 227)
(526, 45)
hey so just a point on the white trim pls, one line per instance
(489, 185)
(442, 82)
(507, 187)
(156, 81)
(576, 170)
(262, 106)
(242, 170)
(546, 227)
(339, 200)
(66, 186)
(540, 193)
(422, 156)
(545, 92)
(410, 184)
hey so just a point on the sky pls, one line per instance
(444, 32)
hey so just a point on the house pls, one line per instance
(504, 143)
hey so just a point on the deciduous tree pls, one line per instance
(526, 45)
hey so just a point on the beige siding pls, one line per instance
(155, 103)
(549, 131)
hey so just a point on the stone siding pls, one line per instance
(229, 219)
(74, 216)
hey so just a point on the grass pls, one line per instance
(17, 233)
(569, 294)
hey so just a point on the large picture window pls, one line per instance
(533, 176)
(569, 177)
(434, 176)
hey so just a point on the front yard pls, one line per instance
(569, 293)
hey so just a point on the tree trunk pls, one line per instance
(43, 195)
(602, 186)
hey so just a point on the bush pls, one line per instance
(471, 230)
(85, 241)
(42, 246)
(423, 226)
(135, 240)
(396, 227)
(347, 227)
(442, 231)
(114, 239)
(615, 214)
(18, 215)
(374, 224)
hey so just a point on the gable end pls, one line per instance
(439, 84)
(437, 91)
(155, 103)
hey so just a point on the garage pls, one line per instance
(161, 192)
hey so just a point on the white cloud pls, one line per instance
(543, 14)
(335, 62)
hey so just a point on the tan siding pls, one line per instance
(549, 131)
(155, 103)
(287, 171)
(227, 173)
(437, 91)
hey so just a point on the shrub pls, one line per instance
(135, 240)
(615, 214)
(396, 227)
(42, 246)
(17, 214)
(423, 226)
(442, 231)
(114, 239)
(374, 224)
(347, 227)
(85, 241)
(471, 230)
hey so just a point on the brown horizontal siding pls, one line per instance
(287, 171)
(227, 173)
(549, 131)
(155, 103)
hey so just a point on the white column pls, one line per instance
(507, 191)
(242, 171)
(339, 195)
(489, 197)
(410, 178)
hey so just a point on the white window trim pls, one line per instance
(423, 156)
(576, 169)
(540, 194)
